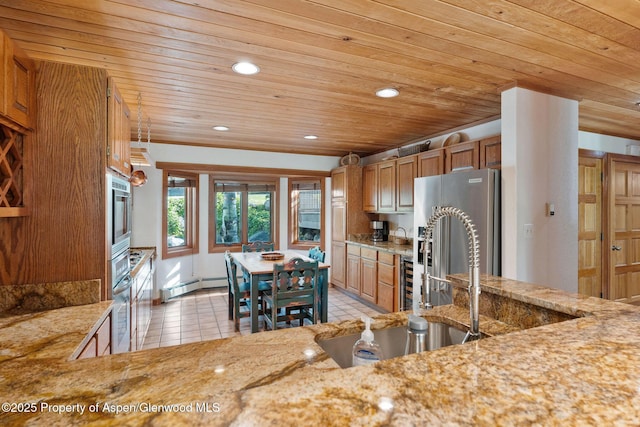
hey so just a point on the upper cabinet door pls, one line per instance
(118, 131)
(19, 84)
(339, 183)
(370, 188)
(407, 170)
(387, 186)
(431, 163)
(462, 156)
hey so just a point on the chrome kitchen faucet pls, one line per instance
(474, 266)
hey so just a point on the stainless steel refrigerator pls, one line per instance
(477, 193)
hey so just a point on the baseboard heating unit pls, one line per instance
(193, 285)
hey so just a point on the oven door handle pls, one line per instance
(123, 286)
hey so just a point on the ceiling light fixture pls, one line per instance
(246, 68)
(221, 128)
(310, 137)
(387, 92)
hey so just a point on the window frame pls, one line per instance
(192, 208)
(294, 243)
(215, 247)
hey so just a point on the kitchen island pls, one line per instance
(580, 370)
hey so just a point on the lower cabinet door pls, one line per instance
(369, 279)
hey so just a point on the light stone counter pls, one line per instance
(387, 246)
(576, 372)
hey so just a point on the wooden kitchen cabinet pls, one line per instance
(431, 163)
(34, 244)
(369, 274)
(387, 186)
(406, 172)
(17, 116)
(18, 86)
(99, 344)
(373, 275)
(462, 156)
(118, 131)
(347, 217)
(353, 269)
(491, 153)
(370, 188)
(338, 264)
(387, 280)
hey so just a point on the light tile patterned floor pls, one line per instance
(203, 315)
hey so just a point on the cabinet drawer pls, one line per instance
(385, 296)
(353, 250)
(89, 349)
(386, 274)
(385, 257)
(368, 253)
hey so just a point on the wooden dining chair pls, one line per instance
(294, 293)
(317, 254)
(240, 293)
(258, 247)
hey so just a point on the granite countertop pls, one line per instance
(388, 246)
(576, 372)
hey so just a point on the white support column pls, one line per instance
(540, 167)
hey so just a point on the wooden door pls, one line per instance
(407, 171)
(370, 188)
(624, 231)
(590, 226)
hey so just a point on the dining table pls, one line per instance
(259, 268)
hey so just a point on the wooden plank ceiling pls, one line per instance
(322, 60)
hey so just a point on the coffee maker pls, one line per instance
(380, 231)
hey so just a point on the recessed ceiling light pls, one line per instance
(246, 68)
(221, 128)
(387, 92)
(310, 137)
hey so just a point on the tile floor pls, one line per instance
(203, 315)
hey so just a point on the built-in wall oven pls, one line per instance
(119, 237)
(118, 214)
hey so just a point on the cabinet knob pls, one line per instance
(616, 248)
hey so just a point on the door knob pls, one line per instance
(616, 248)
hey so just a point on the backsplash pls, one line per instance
(19, 299)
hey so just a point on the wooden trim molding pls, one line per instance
(243, 170)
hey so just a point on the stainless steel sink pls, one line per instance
(392, 341)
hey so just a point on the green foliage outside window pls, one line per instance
(229, 216)
(176, 220)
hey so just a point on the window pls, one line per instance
(306, 215)
(180, 214)
(241, 212)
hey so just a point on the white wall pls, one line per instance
(147, 211)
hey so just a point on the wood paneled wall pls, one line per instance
(63, 239)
